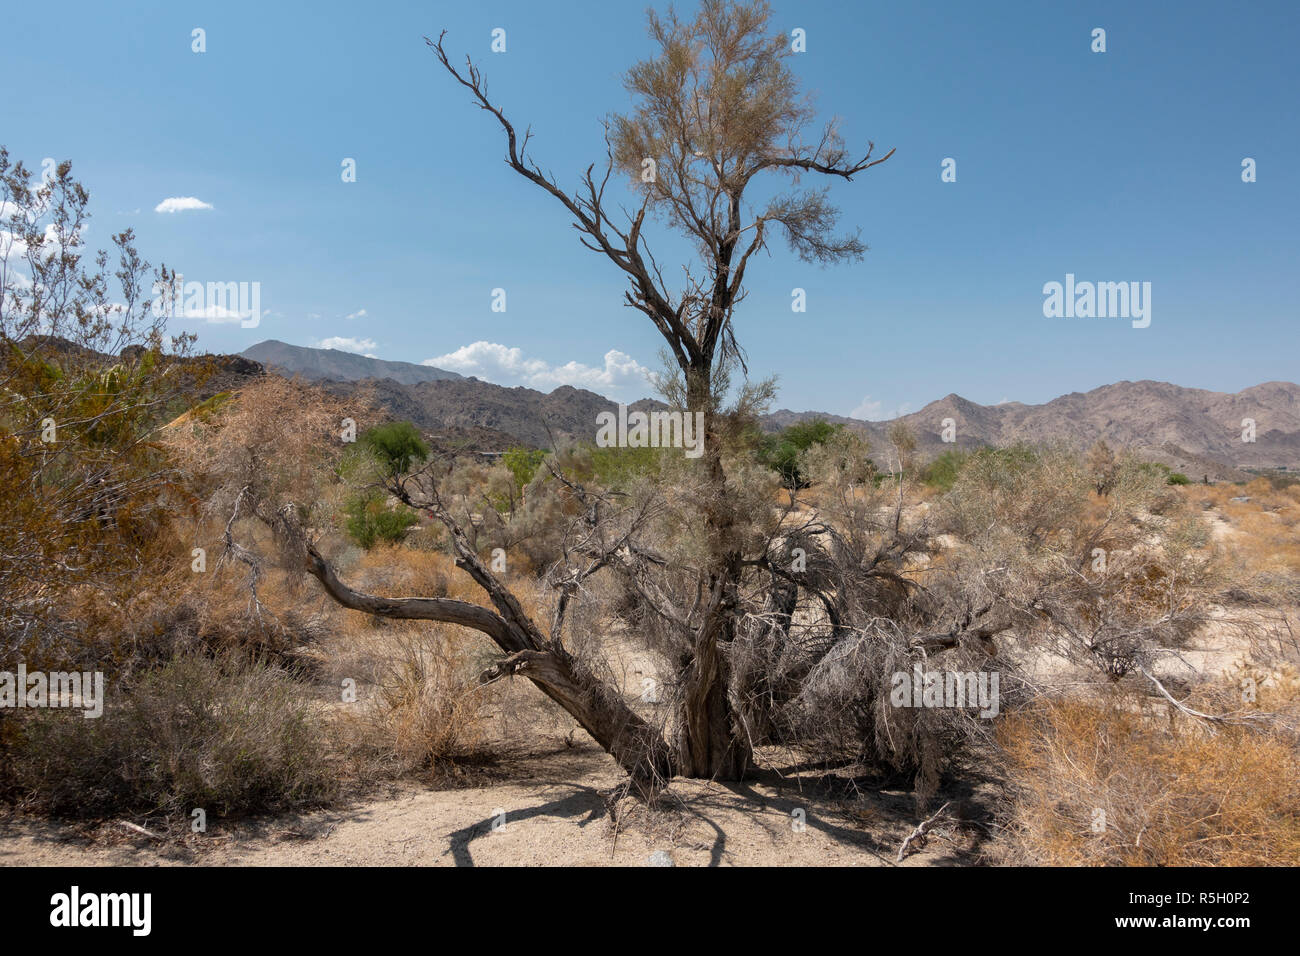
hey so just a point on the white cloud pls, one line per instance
(509, 366)
(181, 204)
(359, 314)
(213, 315)
(345, 344)
(873, 410)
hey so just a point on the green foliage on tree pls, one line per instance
(781, 452)
(523, 464)
(395, 445)
(370, 520)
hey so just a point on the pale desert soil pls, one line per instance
(555, 815)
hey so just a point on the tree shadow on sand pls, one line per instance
(585, 805)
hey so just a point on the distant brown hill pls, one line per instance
(1191, 429)
(335, 365)
(528, 416)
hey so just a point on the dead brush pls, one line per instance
(426, 710)
(1126, 782)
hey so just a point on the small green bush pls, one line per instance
(395, 445)
(781, 452)
(1160, 469)
(370, 521)
(942, 472)
(523, 464)
(616, 467)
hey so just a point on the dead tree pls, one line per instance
(717, 111)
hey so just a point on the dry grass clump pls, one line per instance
(1119, 782)
(424, 710)
(420, 707)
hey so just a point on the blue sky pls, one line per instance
(1115, 166)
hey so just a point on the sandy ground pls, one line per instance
(544, 809)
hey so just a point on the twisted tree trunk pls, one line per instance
(711, 740)
(637, 746)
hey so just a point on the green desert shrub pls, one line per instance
(396, 446)
(942, 472)
(523, 464)
(370, 521)
(781, 452)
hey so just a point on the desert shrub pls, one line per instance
(615, 468)
(370, 521)
(942, 471)
(1113, 782)
(224, 735)
(183, 612)
(395, 445)
(426, 711)
(1018, 490)
(1163, 471)
(1102, 467)
(526, 522)
(523, 464)
(781, 452)
(843, 457)
(843, 711)
(86, 494)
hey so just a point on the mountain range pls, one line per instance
(334, 365)
(1193, 430)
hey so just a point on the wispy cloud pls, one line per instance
(344, 343)
(503, 365)
(873, 410)
(181, 204)
(213, 315)
(359, 314)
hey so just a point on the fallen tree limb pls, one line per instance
(1222, 720)
(136, 828)
(919, 833)
(638, 747)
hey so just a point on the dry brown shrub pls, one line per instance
(1173, 791)
(423, 709)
